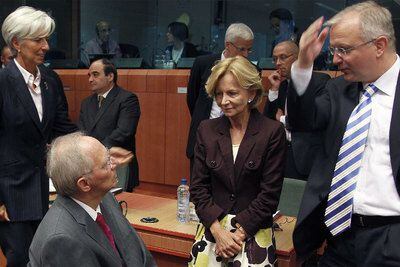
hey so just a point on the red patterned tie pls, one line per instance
(106, 229)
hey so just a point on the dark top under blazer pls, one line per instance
(68, 236)
(331, 111)
(24, 186)
(114, 124)
(250, 187)
(189, 50)
(198, 101)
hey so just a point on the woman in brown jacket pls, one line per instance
(237, 173)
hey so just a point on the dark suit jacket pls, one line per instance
(250, 187)
(24, 184)
(189, 50)
(330, 113)
(199, 103)
(68, 236)
(114, 124)
(305, 142)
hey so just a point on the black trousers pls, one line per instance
(15, 239)
(364, 247)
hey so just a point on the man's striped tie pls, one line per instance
(340, 200)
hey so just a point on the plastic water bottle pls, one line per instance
(182, 211)
(167, 55)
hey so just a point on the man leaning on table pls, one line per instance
(352, 195)
(85, 226)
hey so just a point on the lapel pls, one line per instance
(90, 226)
(91, 110)
(112, 223)
(247, 144)
(18, 84)
(394, 133)
(350, 101)
(105, 105)
(225, 147)
(46, 90)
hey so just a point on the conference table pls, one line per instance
(170, 241)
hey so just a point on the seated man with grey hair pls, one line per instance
(85, 226)
(238, 42)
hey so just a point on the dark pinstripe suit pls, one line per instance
(23, 138)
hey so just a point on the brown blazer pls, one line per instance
(250, 187)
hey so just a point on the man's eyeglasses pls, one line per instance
(341, 52)
(282, 58)
(242, 49)
(106, 166)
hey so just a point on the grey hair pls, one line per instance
(67, 162)
(238, 30)
(26, 23)
(375, 21)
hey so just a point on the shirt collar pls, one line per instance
(388, 81)
(222, 55)
(29, 76)
(92, 213)
(106, 93)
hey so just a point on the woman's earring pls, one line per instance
(249, 101)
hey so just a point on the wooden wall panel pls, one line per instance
(150, 137)
(137, 80)
(156, 81)
(177, 164)
(82, 80)
(177, 78)
(122, 78)
(176, 129)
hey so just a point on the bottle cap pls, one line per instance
(183, 181)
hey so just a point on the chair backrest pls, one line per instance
(266, 63)
(185, 63)
(128, 63)
(292, 193)
(63, 63)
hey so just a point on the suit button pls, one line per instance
(232, 197)
(213, 163)
(251, 164)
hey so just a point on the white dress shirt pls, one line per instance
(92, 213)
(272, 96)
(33, 84)
(375, 192)
(216, 111)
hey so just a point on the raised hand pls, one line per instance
(275, 80)
(120, 156)
(311, 43)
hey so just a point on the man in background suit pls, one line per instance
(302, 144)
(238, 41)
(85, 226)
(6, 56)
(111, 115)
(352, 195)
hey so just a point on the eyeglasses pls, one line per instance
(106, 166)
(341, 52)
(282, 58)
(242, 49)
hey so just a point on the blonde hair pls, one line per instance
(26, 23)
(375, 21)
(244, 72)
